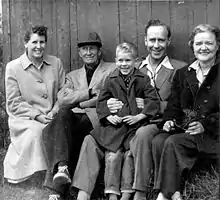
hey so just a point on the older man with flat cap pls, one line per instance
(76, 117)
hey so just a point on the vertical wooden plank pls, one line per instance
(110, 28)
(6, 41)
(179, 20)
(6, 20)
(143, 16)
(35, 12)
(128, 21)
(73, 35)
(48, 20)
(19, 24)
(88, 19)
(161, 10)
(63, 35)
(199, 11)
(213, 12)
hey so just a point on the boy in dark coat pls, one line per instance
(114, 132)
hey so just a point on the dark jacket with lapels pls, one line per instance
(187, 96)
(113, 137)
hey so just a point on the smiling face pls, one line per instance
(205, 46)
(89, 53)
(157, 42)
(35, 47)
(125, 62)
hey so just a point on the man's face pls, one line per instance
(125, 62)
(89, 54)
(157, 42)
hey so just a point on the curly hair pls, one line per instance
(201, 28)
(38, 29)
(157, 22)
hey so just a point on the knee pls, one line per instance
(146, 133)
(171, 141)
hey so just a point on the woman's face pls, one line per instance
(35, 46)
(205, 46)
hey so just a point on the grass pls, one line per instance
(201, 186)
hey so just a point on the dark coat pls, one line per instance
(203, 100)
(113, 137)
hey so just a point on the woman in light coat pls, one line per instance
(32, 83)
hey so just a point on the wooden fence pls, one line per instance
(114, 20)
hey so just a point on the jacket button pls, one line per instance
(44, 96)
(39, 81)
(206, 101)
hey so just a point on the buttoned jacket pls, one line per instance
(204, 100)
(113, 137)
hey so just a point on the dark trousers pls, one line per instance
(62, 140)
(173, 154)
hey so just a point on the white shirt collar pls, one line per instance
(165, 62)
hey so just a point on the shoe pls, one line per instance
(62, 177)
(176, 196)
(82, 195)
(161, 197)
(54, 197)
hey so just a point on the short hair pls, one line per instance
(38, 29)
(201, 28)
(157, 22)
(127, 47)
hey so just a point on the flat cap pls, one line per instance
(91, 39)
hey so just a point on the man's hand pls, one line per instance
(140, 103)
(133, 119)
(114, 105)
(114, 119)
(195, 128)
(43, 119)
(168, 125)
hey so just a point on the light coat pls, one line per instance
(78, 96)
(29, 92)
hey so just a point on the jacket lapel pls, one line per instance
(81, 76)
(97, 75)
(162, 76)
(190, 75)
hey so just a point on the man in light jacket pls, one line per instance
(77, 116)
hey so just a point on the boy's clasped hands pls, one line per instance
(114, 105)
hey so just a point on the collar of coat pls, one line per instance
(165, 62)
(26, 62)
(136, 73)
(190, 75)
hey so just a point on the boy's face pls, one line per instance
(125, 62)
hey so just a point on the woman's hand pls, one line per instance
(195, 128)
(114, 119)
(44, 119)
(168, 125)
(114, 105)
